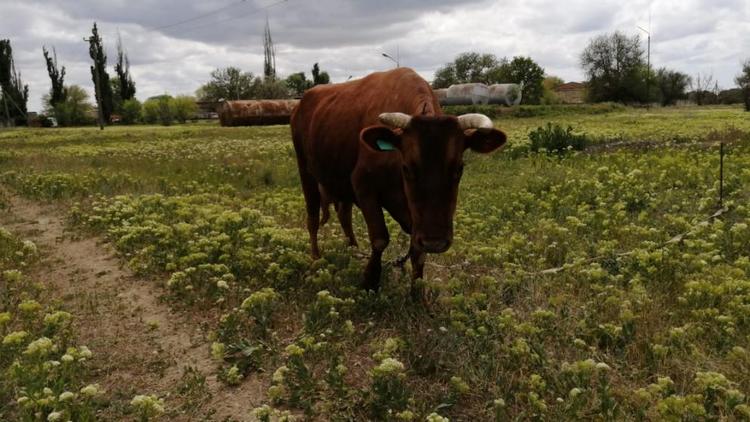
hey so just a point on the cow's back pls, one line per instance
(327, 122)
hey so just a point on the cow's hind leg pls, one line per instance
(312, 205)
(344, 211)
(325, 205)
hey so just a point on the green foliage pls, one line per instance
(318, 77)
(486, 68)
(523, 70)
(632, 327)
(184, 108)
(672, 85)
(122, 68)
(99, 74)
(270, 89)
(743, 81)
(76, 109)
(227, 84)
(165, 109)
(298, 83)
(232, 84)
(43, 371)
(553, 138)
(549, 85)
(529, 111)
(131, 111)
(465, 68)
(615, 68)
(15, 94)
(57, 93)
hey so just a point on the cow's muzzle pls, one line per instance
(433, 245)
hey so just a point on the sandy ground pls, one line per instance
(140, 344)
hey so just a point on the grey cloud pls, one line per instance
(348, 37)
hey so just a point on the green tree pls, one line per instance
(56, 74)
(298, 83)
(227, 84)
(131, 111)
(466, 68)
(15, 94)
(150, 111)
(615, 68)
(76, 109)
(99, 74)
(319, 78)
(672, 86)
(520, 70)
(269, 89)
(184, 108)
(743, 81)
(125, 84)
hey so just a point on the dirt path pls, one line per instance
(140, 345)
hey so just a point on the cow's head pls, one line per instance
(431, 150)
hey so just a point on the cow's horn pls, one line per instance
(399, 120)
(475, 121)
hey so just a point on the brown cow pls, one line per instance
(382, 142)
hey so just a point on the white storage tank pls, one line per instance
(468, 94)
(506, 94)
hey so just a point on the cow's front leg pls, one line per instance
(417, 274)
(378, 234)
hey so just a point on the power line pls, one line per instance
(213, 23)
(197, 17)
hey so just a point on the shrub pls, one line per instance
(184, 108)
(131, 111)
(553, 138)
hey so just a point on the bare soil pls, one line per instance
(140, 344)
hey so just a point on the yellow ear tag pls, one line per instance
(384, 145)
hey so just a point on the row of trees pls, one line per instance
(488, 69)
(69, 104)
(231, 83)
(617, 70)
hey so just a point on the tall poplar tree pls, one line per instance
(99, 74)
(57, 93)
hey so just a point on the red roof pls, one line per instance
(570, 86)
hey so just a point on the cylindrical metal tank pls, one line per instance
(256, 112)
(506, 94)
(468, 94)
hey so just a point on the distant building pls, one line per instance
(572, 92)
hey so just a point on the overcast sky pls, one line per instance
(348, 37)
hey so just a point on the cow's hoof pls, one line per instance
(370, 285)
(400, 262)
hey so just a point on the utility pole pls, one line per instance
(648, 64)
(97, 91)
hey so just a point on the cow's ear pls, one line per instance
(381, 138)
(484, 140)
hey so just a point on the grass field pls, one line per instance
(590, 286)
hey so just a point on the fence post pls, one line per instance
(721, 175)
